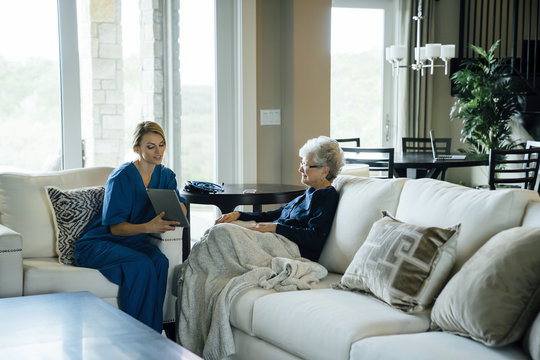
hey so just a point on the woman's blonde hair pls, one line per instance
(146, 127)
(325, 152)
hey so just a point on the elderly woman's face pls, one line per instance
(312, 174)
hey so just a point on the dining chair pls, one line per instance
(355, 140)
(411, 144)
(423, 145)
(516, 166)
(380, 160)
(533, 144)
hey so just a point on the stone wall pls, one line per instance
(152, 60)
(102, 96)
(106, 132)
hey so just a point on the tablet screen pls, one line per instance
(167, 200)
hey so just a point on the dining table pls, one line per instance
(406, 164)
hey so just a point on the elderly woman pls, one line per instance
(307, 219)
(230, 258)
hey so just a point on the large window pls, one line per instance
(360, 102)
(73, 91)
(197, 89)
(29, 85)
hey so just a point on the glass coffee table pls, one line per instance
(78, 325)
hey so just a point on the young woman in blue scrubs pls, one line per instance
(115, 241)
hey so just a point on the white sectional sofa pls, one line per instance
(323, 323)
(329, 323)
(28, 251)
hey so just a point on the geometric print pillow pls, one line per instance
(72, 211)
(404, 265)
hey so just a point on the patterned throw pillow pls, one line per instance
(402, 264)
(72, 211)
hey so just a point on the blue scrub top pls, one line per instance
(126, 200)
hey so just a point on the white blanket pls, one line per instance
(228, 260)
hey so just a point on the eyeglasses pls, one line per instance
(306, 166)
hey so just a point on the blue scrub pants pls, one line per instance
(140, 270)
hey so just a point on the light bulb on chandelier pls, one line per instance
(424, 56)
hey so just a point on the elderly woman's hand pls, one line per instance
(227, 218)
(264, 227)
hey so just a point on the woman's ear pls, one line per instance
(326, 171)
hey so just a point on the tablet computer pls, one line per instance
(167, 200)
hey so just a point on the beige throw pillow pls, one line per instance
(496, 294)
(402, 264)
(72, 211)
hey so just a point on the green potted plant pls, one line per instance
(486, 102)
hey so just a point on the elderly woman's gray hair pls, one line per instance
(325, 152)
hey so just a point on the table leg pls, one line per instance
(433, 173)
(257, 208)
(186, 235)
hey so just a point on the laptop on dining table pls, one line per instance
(442, 156)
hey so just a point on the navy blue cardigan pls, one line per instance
(306, 220)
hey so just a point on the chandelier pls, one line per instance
(425, 56)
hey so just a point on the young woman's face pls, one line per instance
(151, 148)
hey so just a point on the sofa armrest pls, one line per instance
(170, 244)
(11, 264)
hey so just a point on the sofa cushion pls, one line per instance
(361, 201)
(496, 294)
(323, 324)
(250, 348)
(47, 275)
(431, 345)
(23, 200)
(481, 213)
(531, 341)
(241, 311)
(170, 244)
(72, 211)
(11, 269)
(402, 264)
(532, 214)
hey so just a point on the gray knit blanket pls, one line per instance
(227, 260)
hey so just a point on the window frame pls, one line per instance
(70, 98)
(236, 91)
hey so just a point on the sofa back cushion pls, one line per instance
(481, 213)
(24, 206)
(532, 214)
(361, 202)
